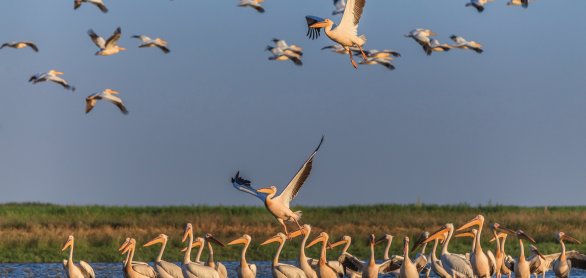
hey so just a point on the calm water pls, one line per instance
(115, 270)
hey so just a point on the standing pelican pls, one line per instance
(98, 3)
(464, 44)
(164, 269)
(107, 47)
(157, 42)
(197, 242)
(255, 4)
(219, 267)
(436, 264)
(521, 268)
(107, 95)
(369, 269)
(499, 255)
(340, 6)
(562, 265)
(281, 270)
(244, 270)
(420, 258)
(278, 206)
(306, 264)
(52, 76)
(454, 264)
(83, 270)
(408, 268)
(482, 266)
(347, 241)
(19, 45)
(136, 270)
(324, 270)
(193, 269)
(346, 33)
(538, 265)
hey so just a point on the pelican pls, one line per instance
(499, 255)
(408, 268)
(420, 258)
(522, 3)
(387, 53)
(339, 6)
(477, 4)
(281, 270)
(464, 44)
(423, 38)
(244, 270)
(521, 268)
(135, 270)
(19, 45)
(134, 263)
(107, 95)
(537, 263)
(306, 264)
(197, 242)
(164, 269)
(255, 4)
(278, 206)
(454, 264)
(347, 241)
(148, 42)
(83, 270)
(98, 3)
(284, 55)
(219, 267)
(562, 265)
(482, 264)
(324, 270)
(282, 44)
(436, 46)
(385, 62)
(193, 269)
(107, 47)
(52, 76)
(336, 48)
(369, 269)
(346, 33)
(436, 264)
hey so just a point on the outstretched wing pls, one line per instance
(313, 33)
(390, 265)
(245, 186)
(352, 15)
(115, 37)
(98, 41)
(578, 259)
(350, 262)
(296, 183)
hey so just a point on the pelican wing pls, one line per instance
(143, 38)
(313, 33)
(87, 269)
(113, 40)
(170, 268)
(101, 6)
(420, 262)
(144, 269)
(252, 268)
(297, 182)
(340, 4)
(577, 259)
(491, 262)
(98, 41)
(350, 262)
(390, 265)
(458, 264)
(352, 15)
(245, 186)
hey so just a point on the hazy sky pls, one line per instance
(507, 126)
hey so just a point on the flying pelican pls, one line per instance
(83, 270)
(454, 264)
(107, 95)
(387, 53)
(282, 44)
(347, 241)
(19, 45)
(324, 270)
(482, 264)
(477, 4)
(148, 42)
(562, 265)
(408, 268)
(521, 268)
(537, 263)
(192, 269)
(281, 270)
(423, 38)
(522, 3)
(219, 267)
(346, 33)
(284, 55)
(135, 270)
(107, 47)
(464, 44)
(244, 270)
(369, 269)
(52, 76)
(336, 48)
(306, 264)
(278, 206)
(339, 6)
(436, 46)
(164, 269)
(255, 4)
(98, 3)
(385, 62)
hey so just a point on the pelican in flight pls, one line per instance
(464, 44)
(306, 264)
(107, 47)
(423, 38)
(562, 265)
(347, 241)
(346, 33)
(453, 264)
(324, 270)
(83, 270)
(281, 270)
(522, 3)
(482, 263)
(98, 3)
(164, 269)
(107, 95)
(436, 46)
(278, 206)
(52, 76)
(336, 48)
(369, 269)
(148, 42)
(194, 269)
(244, 270)
(135, 270)
(477, 4)
(20, 45)
(521, 268)
(255, 4)
(282, 44)
(339, 6)
(385, 62)
(280, 54)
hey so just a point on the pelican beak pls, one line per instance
(506, 230)
(240, 240)
(266, 190)
(319, 238)
(418, 243)
(465, 234)
(570, 239)
(126, 249)
(296, 233)
(188, 231)
(473, 222)
(158, 239)
(536, 251)
(58, 73)
(214, 240)
(316, 25)
(380, 239)
(337, 243)
(68, 243)
(124, 244)
(276, 238)
(522, 234)
(440, 234)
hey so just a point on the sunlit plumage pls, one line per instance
(157, 42)
(107, 47)
(98, 3)
(464, 44)
(107, 95)
(20, 45)
(255, 4)
(52, 76)
(82, 270)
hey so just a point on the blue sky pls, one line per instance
(506, 126)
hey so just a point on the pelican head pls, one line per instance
(441, 234)
(561, 236)
(419, 241)
(68, 243)
(162, 238)
(342, 240)
(188, 231)
(210, 238)
(245, 239)
(130, 245)
(268, 190)
(536, 251)
(197, 242)
(476, 221)
(322, 237)
(322, 24)
(372, 240)
(124, 244)
(499, 235)
(522, 235)
(405, 245)
(280, 238)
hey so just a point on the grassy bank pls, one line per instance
(35, 232)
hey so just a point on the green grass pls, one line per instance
(36, 232)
